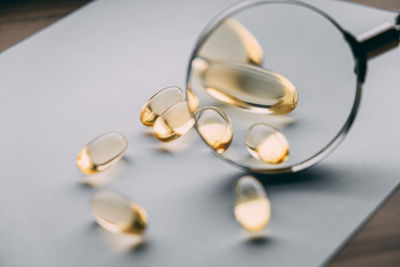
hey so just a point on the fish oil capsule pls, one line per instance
(192, 99)
(159, 103)
(118, 214)
(267, 144)
(173, 123)
(215, 128)
(231, 41)
(245, 86)
(101, 153)
(252, 207)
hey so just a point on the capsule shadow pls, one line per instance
(105, 177)
(314, 174)
(257, 239)
(122, 242)
(148, 133)
(177, 146)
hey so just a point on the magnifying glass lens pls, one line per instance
(279, 65)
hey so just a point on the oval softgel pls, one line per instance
(245, 86)
(117, 213)
(267, 144)
(159, 103)
(101, 153)
(252, 207)
(173, 123)
(215, 128)
(231, 41)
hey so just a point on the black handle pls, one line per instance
(380, 39)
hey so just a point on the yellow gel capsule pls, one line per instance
(173, 123)
(192, 99)
(101, 153)
(215, 128)
(266, 143)
(245, 86)
(159, 103)
(231, 41)
(118, 214)
(252, 207)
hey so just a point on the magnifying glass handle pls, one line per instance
(380, 39)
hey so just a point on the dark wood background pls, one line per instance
(378, 241)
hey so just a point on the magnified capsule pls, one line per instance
(231, 41)
(192, 99)
(215, 128)
(118, 214)
(252, 207)
(159, 103)
(266, 143)
(101, 153)
(173, 123)
(245, 86)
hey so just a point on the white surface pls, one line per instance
(91, 72)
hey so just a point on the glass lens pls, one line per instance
(282, 65)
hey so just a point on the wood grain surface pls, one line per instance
(20, 19)
(376, 244)
(392, 5)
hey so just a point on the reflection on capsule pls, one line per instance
(215, 128)
(159, 103)
(118, 214)
(173, 123)
(245, 86)
(252, 207)
(101, 153)
(231, 41)
(266, 143)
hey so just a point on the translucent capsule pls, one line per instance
(118, 214)
(173, 123)
(231, 41)
(101, 153)
(266, 143)
(245, 86)
(192, 99)
(159, 103)
(215, 128)
(252, 207)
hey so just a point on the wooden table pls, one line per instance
(376, 244)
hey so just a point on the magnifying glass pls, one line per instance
(282, 79)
